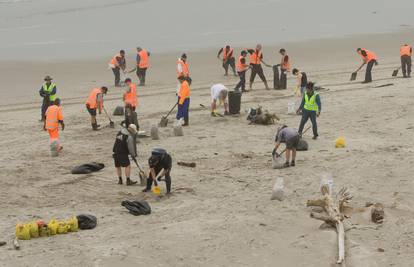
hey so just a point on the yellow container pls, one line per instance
(62, 228)
(22, 231)
(156, 190)
(34, 229)
(52, 226)
(73, 224)
(340, 142)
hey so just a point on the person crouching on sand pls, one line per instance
(219, 92)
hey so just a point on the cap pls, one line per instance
(133, 128)
(48, 78)
(184, 55)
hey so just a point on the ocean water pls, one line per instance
(61, 29)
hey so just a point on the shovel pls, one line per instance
(142, 176)
(395, 72)
(164, 119)
(354, 76)
(111, 123)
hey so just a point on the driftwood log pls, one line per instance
(333, 214)
(187, 164)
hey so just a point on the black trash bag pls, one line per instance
(88, 168)
(86, 221)
(137, 207)
(302, 145)
(119, 111)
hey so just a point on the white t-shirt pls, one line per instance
(215, 91)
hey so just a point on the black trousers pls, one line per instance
(306, 115)
(406, 65)
(283, 79)
(141, 72)
(167, 178)
(45, 104)
(368, 75)
(230, 62)
(117, 74)
(242, 83)
(257, 69)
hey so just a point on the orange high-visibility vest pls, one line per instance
(226, 54)
(114, 61)
(93, 97)
(255, 58)
(370, 56)
(285, 65)
(405, 50)
(131, 96)
(240, 66)
(184, 66)
(184, 92)
(53, 116)
(143, 62)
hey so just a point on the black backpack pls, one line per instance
(137, 207)
(86, 221)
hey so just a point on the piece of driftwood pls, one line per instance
(333, 214)
(187, 164)
(377, 213)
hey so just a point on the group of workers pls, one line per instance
(160, 160)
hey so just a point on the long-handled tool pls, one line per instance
(215, 114)
(395, 72)
(111, 123)
(164, 119)
(142, 177)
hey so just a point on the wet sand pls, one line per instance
(220, 213)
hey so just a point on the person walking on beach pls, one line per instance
(219, 92)
(291, 137)
(284, 68)
(405, 53)
(48, 93)
(302, 81)
(228, 59)
(160, 164)
(142, 64)
(95, 102)
(256, 58)
(130, 96)
(242, 68)
(183, 69)
(369, 58)
(125, 145)
(183, 102)
(54, 117)
(311, 108)
(117, 64)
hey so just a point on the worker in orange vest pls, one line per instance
(54, 117)
(183, 101)
(95, 102)
(284, 68)
(118, 63)
(242, 68)
(405, 53)
(368, 58)
(182, 68)
(142, 64)
(256, 58)
(228, 59)
(130, 96)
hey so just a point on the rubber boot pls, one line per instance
(186, 121)
(95, 126)
(119, 180)
(168, 183)
(129, 182)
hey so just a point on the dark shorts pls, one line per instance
(121, 160)
(293, 142)
(91, 111)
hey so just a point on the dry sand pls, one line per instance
(220, 213)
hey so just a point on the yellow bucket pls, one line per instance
(156, 190)
(340, 142)
(52, 226)
(34, 229)
(22, 231)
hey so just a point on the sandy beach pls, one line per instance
(220, 212)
